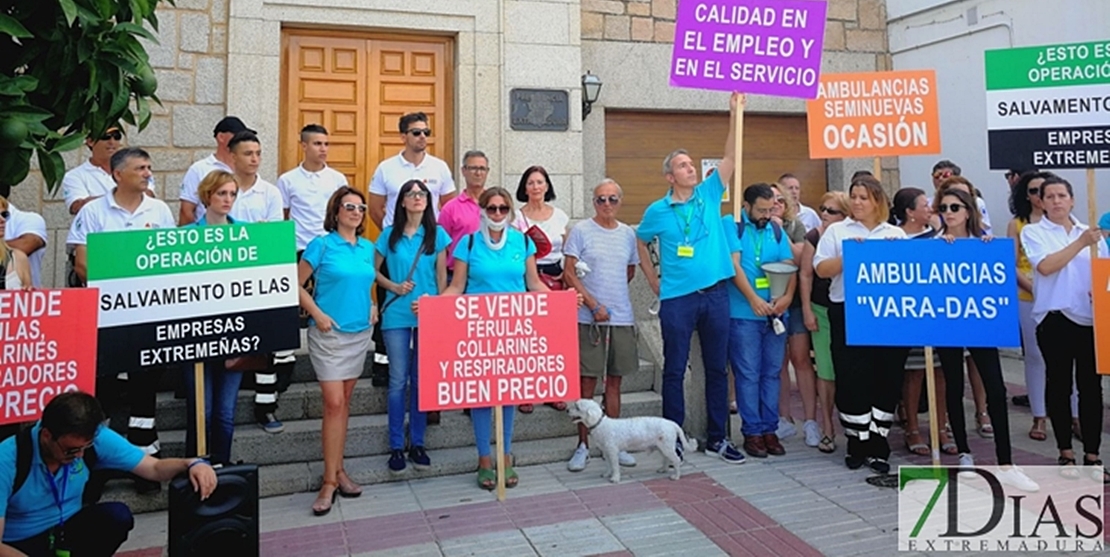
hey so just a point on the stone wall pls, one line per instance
(190, 63)
(855, 40)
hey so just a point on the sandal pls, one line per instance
(1098, 473)
(986, 430)
(1069, 471)
(947, 446)
(323, 504)
(526, 408)
(827, 445)
(918, 448)
(511, 477)
(487, 479)
(347, 488)
(1037, 433)
(560, 406)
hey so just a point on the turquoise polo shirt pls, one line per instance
(344, 275)
(494, 271)
(34, 509)
(398, 260)
(756, 248)
(696, 224)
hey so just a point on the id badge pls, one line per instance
(762, 283)
(685, 251)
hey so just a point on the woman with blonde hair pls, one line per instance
(15, 268)
(815, 313)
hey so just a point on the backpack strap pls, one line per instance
(774, 227)
(24, 451)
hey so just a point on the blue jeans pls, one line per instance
(704, 311)
(756, 354)
(221, 392)
(483, 429)
(401, 346)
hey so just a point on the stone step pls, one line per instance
(302, 400)
(289, 462)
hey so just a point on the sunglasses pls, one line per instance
(426, 132)
(953, 208)
(944, 174)
(415, 194)
(494, 209)
(476, 168)
(5, 214)
(830, 211)
(602, 200)
(73, 451)
(360, 207)
(1034, 191)
(116, 135)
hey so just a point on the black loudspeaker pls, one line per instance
(224, 524)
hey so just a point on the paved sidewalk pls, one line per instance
(804, 504)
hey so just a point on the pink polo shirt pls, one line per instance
(459, 217)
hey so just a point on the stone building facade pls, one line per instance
(217, 57)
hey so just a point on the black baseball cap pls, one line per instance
(231, 124)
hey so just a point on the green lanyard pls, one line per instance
(759, 242)
(688, 217)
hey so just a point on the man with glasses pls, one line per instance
(462, 215)
(191, 209)
(412, 162)
(601, 258)
(695, 268)
(43, 514)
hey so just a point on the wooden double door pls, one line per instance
(358, 85)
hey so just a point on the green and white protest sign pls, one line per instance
(1048, 106)
(177, 295)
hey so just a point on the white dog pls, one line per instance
(613, 435)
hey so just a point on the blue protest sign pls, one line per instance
(931, 293)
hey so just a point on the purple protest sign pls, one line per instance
(771, 47)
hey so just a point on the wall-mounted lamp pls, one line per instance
(591, 88)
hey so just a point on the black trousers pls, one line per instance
(990, 369)
(868, 386)
(95, 531)
(1065, 346)
(140, 390)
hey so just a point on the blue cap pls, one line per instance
(1104, 221)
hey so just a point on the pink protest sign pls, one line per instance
(770, 47)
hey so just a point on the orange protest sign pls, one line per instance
(497, 349)
(874, 114)
(48, 347)
(1100, 297)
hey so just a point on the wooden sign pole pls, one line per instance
(877, 168)
(1092, 209)
(738, 156)
(499, 436)
(931, 392)
(198, 392)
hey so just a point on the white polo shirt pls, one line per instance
(808, 217)
(393, 172)
(1069, 289)
(982, 205)
(195, 174)
(25, 222)
(306, 195)
(87, 180)
(105, 215)
(259, 203)
(831, 246)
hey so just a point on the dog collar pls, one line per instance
(592, 427)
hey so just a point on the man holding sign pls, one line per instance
(695, 267)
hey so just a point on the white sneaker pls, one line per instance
(967, 462)
(1016, 478)
(812, 432)
(786, 429)
(579, 459)
(626, 459)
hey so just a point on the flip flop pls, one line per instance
(919, 448)
(827, 445)
(487, 479)
(511, 477)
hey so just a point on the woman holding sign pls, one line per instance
(961, 220)
(217, 193)
(868, 378)
(15, 269)
(414, 250)
(1059, 248)
(342, 313)
(496, 259)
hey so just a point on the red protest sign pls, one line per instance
(48, 340)
(498, 349)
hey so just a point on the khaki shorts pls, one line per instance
(620, 359)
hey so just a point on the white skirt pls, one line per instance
(338, 356)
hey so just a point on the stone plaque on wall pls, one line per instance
(539, 110)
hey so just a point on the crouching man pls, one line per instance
(43, 473)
